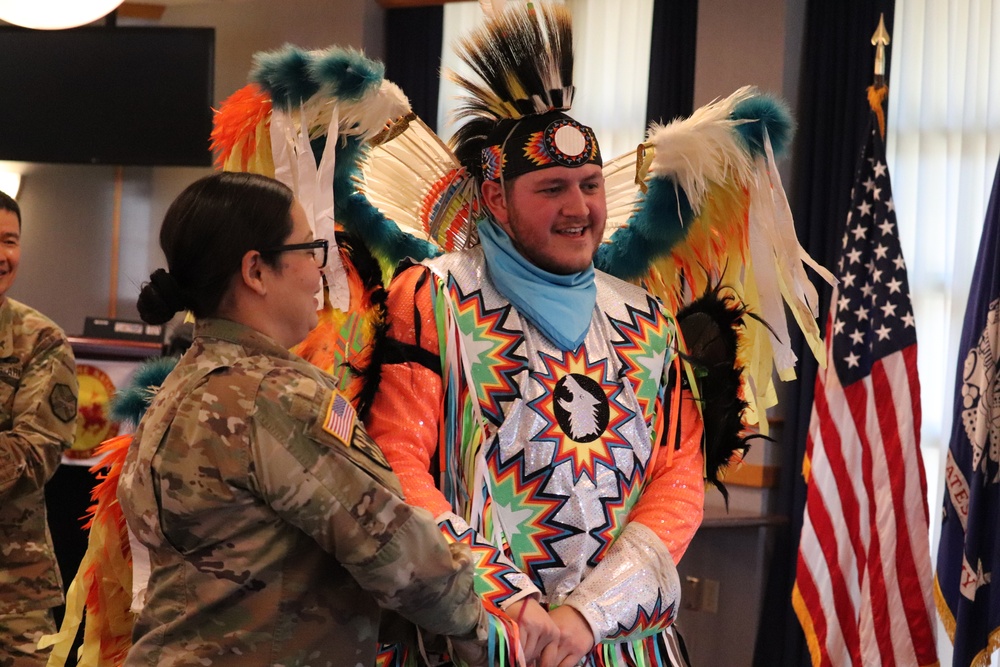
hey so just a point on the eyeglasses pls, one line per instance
(319, 248)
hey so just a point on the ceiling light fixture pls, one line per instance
(10, 183)
(55, 14)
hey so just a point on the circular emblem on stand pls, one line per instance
(94, 424)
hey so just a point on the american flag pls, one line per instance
(340, 417)
(863, 578)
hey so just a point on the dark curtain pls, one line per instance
(413, 39)
(837, 68)
(671, 60)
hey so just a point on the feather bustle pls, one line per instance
(702, 149)
(736, 232)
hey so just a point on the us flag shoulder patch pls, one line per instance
(340, 418)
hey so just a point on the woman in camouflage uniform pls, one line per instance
(276, 532)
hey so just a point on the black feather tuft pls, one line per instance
(711, 328)
(469, 141)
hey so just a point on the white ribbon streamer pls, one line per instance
(295, 166)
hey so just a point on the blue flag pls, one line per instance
(969, 553)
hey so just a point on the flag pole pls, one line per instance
(878, 90)
(880, 40)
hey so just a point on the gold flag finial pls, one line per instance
(880, 40)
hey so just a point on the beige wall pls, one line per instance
(243, 28)
(753, 42)
(756, 42)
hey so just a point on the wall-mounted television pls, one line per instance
(107, 95)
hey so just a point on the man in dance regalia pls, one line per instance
(528, 400)
(548, 413)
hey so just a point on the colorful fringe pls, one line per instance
(103, 585)
(240, 134)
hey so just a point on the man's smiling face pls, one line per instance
(10, 250)
(555, 217)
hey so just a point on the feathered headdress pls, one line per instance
(515, 119)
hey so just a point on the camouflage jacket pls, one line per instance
(37, 421)
(276, 530)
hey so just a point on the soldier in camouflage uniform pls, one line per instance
(37, 420)
(276, 531)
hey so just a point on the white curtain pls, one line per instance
(611, 48)
(943, 144)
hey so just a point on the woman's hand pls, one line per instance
(535, 626)
(575, 641)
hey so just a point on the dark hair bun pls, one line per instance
(161, 298)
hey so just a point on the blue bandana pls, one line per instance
(561, 306)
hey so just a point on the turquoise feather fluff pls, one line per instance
(346, 74)
(772, 114)
(285, 75)
(633, 249)
(130, 403)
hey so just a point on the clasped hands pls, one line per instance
(558, 638)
